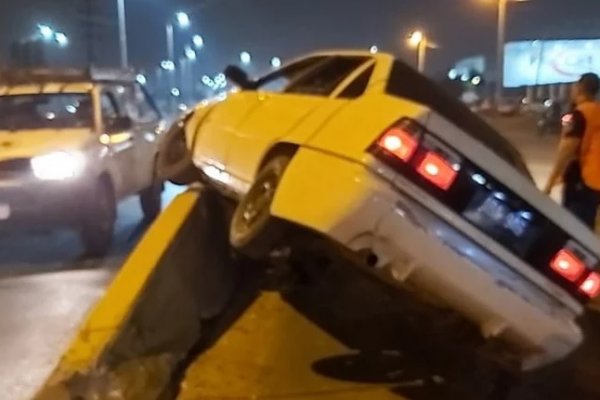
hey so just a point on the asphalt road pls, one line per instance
(46, 288)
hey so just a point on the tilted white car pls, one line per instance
(363, 150)
(72, 144)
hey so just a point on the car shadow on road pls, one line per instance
(387, 350)
(391, 349)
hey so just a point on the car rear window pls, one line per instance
(407, 83)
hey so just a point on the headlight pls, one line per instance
(58, 166)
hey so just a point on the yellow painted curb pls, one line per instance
(148, 319)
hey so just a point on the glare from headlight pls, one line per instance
(58, 166)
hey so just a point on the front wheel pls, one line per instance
(99, 220)
(174, 163)
(254, 232)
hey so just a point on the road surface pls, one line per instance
(46, 288)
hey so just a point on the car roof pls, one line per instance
(379, 56)
(63, 80)
(47, 88)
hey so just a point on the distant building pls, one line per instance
(28, 54)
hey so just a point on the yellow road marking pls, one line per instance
(268, 354)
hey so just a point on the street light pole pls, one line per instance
(422, 55)
(170, 42)
(421, 43)
(123, 34)
(502, 11)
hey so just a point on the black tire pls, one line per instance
(174, 162)
(254, 232)
(99, 220)
(151, 200)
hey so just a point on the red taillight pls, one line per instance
(591, 286)
(437, 170)
(400, 143)
(568, 265)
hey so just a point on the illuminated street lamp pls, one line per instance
(167, 65)
(198, 41)
(421, 43)
(275, 62)
(190, 53)
(46, 32)
(183, 22)
(141, 79)
(61, 39)
(245, 57)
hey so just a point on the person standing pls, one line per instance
(578, 161)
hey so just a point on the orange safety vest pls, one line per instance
(590, 144)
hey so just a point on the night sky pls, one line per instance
(290, 27)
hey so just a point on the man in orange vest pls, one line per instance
(578, 161)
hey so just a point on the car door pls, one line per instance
(216, 131)
(279, 113)
(120, 143)
(146, 120)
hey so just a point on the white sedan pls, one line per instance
(363, 150)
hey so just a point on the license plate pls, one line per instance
(4, 212)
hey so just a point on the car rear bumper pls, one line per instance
(413, 244)
(31, 203)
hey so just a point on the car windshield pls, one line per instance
(41, 111)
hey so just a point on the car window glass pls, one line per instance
(324, 80)
(47, 110)
(109, 106)
(124, 97)
(142, 110)
(407, 83)
(358, 86)
(278, 81)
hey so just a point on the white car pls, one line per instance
(73, 143)
(363, 150)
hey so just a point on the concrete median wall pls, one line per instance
(151, 316)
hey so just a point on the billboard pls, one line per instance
(539, 62)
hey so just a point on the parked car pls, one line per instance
(73, 144)
(364, 151)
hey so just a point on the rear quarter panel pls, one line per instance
(355, 127)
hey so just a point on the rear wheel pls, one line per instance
(99, 220)
(151, 200)
(254, 232)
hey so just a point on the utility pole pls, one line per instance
(502, 8)
(89, 31)
(123, 34)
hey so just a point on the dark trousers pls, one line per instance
(581, 201)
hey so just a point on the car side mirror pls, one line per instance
(119, 124)
(239, 77)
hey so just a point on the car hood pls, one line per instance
(31, 143)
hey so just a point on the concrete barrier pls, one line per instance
(151, 316)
